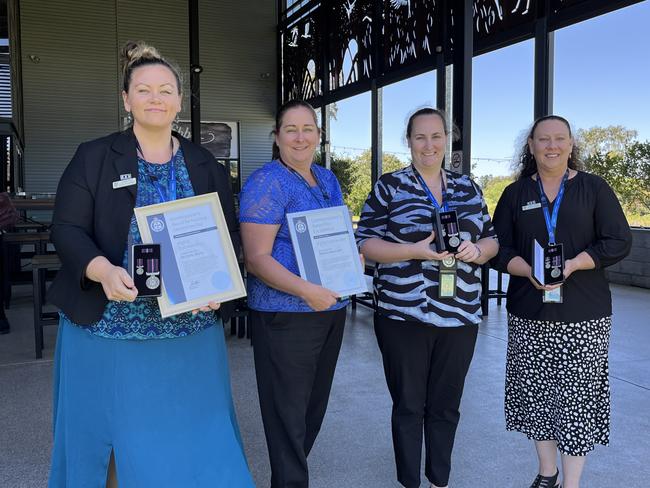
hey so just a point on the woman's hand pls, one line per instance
(318, 298)
(118, 285)
(210, 307)
(468, 252)
(540, 287)
(422, 250)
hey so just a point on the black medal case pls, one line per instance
(445, 225)
(145, 269)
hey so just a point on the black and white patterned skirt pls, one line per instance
(557, 385)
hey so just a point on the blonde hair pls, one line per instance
(136, 54)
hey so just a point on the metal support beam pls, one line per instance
(376, 132)
(462, 86)
(325, 155)
(195, 71)
(441, 52)
(544, 59)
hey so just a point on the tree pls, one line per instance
(604, 140)
(493, 187)
(354, 175)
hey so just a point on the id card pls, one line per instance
(145, 269)
(447, 278)
(553, 296)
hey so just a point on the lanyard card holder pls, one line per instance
(145, 269)
(447, 279)
(447, 231)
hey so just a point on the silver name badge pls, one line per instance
(124, 182)
(531, 205)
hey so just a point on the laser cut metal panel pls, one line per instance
(492, 16)
(349, 42)
(409, 32)
(302, 58)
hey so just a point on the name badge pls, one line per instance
(531, 206)
(124, 182)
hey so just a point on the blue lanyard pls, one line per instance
(445, 205)
(551, 219)
(323, 191)
(169, 193)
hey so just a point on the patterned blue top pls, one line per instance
(141, 319)
(269, 194)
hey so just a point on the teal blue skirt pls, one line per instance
(164, 406)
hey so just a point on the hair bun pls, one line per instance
(136, 50)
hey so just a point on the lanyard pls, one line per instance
(551, 219)
(445, 205)
(169, 193)
(323, 191)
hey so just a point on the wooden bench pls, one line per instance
(41, 264)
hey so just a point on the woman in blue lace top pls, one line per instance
(151, 393)
(297, 325)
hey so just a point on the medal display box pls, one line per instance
(548, 263)
(445, 225)
(145, 269)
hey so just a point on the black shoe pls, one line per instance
(546, 481)
(4, 326)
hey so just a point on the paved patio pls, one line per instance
(354, 448)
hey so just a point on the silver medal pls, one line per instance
(555, 272)
(152, 282)
(449, 261)
(454, 241)
(139, 270)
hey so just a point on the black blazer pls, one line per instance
(92, 219)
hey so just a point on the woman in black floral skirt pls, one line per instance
(557, 388)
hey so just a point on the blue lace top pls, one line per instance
(141, 319)
(268, 195)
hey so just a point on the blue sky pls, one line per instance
(602, 75)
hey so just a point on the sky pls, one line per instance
(602, 77)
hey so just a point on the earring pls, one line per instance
(129, 118)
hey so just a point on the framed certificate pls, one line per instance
(198, 260)
(326, 251)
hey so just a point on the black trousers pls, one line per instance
(295, 358)
(425, 369)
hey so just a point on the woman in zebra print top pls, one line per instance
(426, 342)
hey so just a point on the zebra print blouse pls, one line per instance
(398, 210)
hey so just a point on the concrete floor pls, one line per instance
(354, 448)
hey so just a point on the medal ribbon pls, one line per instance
(169, 193)
(445, 205)
(323, 191)
(551, 219)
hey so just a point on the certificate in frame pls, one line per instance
(326, 251)
(199, 260)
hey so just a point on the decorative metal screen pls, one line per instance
(557, 5)
(492, 16)
(350, 24)
(409, 32)
(302, 58)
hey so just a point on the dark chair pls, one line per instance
(486, 294)
(41, 264)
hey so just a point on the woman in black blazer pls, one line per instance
(152, 392)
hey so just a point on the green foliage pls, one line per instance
(493, 187)
(354, 175)
(605, 140)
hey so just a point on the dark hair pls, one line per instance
(291, 104)
(455, 134)
(136, 54)
(527, 166)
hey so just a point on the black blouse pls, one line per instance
(590, 219)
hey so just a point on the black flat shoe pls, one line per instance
(4, 326)
(546, 481)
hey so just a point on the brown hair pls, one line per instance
(527, 166)
(432, 111)
(136, 54)
(291, 104)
